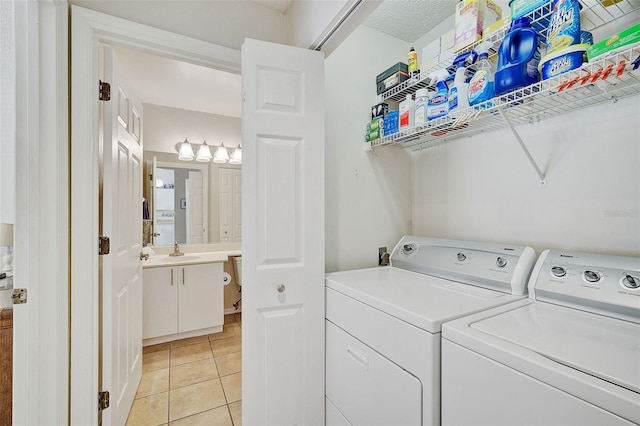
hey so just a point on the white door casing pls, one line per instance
(283, 235)
(121, 276)
(88, 29)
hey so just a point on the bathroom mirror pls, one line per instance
(191, 202)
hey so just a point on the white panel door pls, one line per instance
(236, 211)
(196, 231)
(283, 235)
(121, 220)
(226, 205)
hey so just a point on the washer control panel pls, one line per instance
(499, 267)
(605, 284)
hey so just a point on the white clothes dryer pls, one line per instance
(383, 325)
(567, 355)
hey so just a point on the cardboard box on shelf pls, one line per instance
(471, 18)
(447, 40)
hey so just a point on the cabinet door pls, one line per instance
(159, 307)
(200, 298)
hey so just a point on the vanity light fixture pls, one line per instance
(204, 153)
(236, 156)
(185, 151)
(221, 156)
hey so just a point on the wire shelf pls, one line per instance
(545, 99)
(593, 16)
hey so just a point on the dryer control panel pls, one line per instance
(603, 284)
(501, 267)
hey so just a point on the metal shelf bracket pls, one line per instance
(543, 179)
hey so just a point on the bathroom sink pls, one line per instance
(172, 259)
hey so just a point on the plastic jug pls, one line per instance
(518, 58)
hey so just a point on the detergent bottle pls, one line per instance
(459, 92)
(481, 85)
(407, 113)
(438, 105)
(518, 57)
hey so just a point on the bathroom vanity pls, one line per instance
(182, 296)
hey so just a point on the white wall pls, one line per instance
(165, 126)
(483, 188)
(368, 195)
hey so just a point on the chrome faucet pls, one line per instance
(176, 250)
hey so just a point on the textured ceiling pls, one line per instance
(408, 20)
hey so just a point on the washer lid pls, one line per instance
(418, 299)
(603, 347)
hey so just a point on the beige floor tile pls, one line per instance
(236, 412)
(195, 399)
(189, 341)
(230, 330)
(153, 382)
(149, 411)
(192, 373)
(232, 385)
(229, 319)
(155, 348)
(217, 417)
(191, 353)
(239, 319)
(229, 364)
(227, 346)
(155, 361)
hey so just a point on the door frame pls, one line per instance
(89, 29)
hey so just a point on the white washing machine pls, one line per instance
(383, 325)
(567, 355)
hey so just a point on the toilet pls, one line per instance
(237, 266)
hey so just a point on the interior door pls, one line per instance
(226, 204)
(196, 229)
(121, 221)
(283, 235)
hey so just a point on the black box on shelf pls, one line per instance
(393, 75)
(379, 109)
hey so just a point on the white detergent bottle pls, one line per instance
(459, 93)
(407, 113)
(422, 99)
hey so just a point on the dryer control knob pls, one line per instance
(462, 257)
(501, 262)
(631, 282)
(591, 276)
(558, 271)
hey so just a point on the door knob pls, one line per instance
(280, 288)
(144, 256)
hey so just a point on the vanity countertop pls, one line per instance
(164, 260)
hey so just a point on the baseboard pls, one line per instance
(178, 336)
(230, 311)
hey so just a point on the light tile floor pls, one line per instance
(195, 381)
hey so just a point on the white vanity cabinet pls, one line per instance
(182, 301)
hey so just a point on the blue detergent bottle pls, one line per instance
(481, 85)
(518, 57)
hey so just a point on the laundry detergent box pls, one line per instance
(391, 125)
(470, 18)
(375, 129)
(624, 38)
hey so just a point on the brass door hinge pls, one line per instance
(104, 245)
(19, 296)
(104, 91)
(103, 400)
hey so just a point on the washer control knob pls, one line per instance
(409, 248)
(462, 257)
(501, 262)
(591, 276)
(558, 271)
(631, 282)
